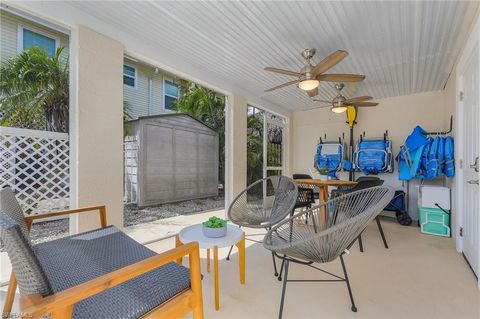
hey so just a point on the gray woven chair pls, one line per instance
(98, 274)
(364, 182)
(323, 233)
(263, 204)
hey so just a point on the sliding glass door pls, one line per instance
(266, 136)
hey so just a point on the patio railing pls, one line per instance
(36, 165)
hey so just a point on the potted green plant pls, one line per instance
(215, 227)
(323, 173)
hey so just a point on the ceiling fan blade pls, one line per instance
(323, 101)
(282, 85)
(358, 99)
(313, 92)
(329, 62)
(316, 107)
(282, 71)
(365, 104)
(341, 77)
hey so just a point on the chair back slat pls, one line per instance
(322, 233)
(264, 203)
(10, 206)
(28, 271)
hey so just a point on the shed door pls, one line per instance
(179, 163)
(158, 165)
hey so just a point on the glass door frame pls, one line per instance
(266, 121)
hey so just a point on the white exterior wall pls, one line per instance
(398, 115)
(236, 147)
(96, 126)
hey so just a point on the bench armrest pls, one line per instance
(102, 211)
(62, 302)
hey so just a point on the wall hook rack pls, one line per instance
(446, 132)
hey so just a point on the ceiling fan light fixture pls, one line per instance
(308, 85)
(338, 109)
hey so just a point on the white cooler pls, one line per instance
(428, 196)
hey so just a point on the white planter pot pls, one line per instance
(323, 177)
(214, 232)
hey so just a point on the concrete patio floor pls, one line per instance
(420, 276)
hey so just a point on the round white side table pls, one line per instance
(235, 236)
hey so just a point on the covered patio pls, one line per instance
(405, 281)
(412, 71)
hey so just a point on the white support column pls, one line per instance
(236, 147)
(96, 127)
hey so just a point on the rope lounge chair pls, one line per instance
(363, 183)
(98, 274)
(310, 237)
(263, 204)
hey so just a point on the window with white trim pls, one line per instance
(129, 76)
(28, 38)
(170, 94)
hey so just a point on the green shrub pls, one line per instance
(322, 171)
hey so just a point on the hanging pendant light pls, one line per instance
(308, 84)
(339, 109)
(338, 104)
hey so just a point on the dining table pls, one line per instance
(324, 184)
(323, 192)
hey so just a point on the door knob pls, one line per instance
(475, 165)
(473, 182)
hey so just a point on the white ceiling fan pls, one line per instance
(309, 77)
(340, 103)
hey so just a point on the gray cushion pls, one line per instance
(28, 271)
(10, 206)
(79, 258)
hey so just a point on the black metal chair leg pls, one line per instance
(354, 308)
(229, 252)
(281, 269)
(274, 265)
(231, 248)
(381, 232)
(280, 313)
(360, 243)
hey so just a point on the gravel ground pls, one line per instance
(46, 231)
(134, 216)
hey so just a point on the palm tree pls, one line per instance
(34, 91)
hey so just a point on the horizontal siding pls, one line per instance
(8, 34)
(138, 97)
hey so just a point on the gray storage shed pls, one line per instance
(168, 158)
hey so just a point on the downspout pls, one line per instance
(149, 101)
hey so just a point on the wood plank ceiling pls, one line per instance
(402, 47)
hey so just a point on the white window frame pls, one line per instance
(284, 127)
(135, 78)
(21, 27)
(164, 94)
(266, 120)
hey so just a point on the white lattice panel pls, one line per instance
(36, 165)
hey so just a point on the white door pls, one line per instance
(471, 120)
